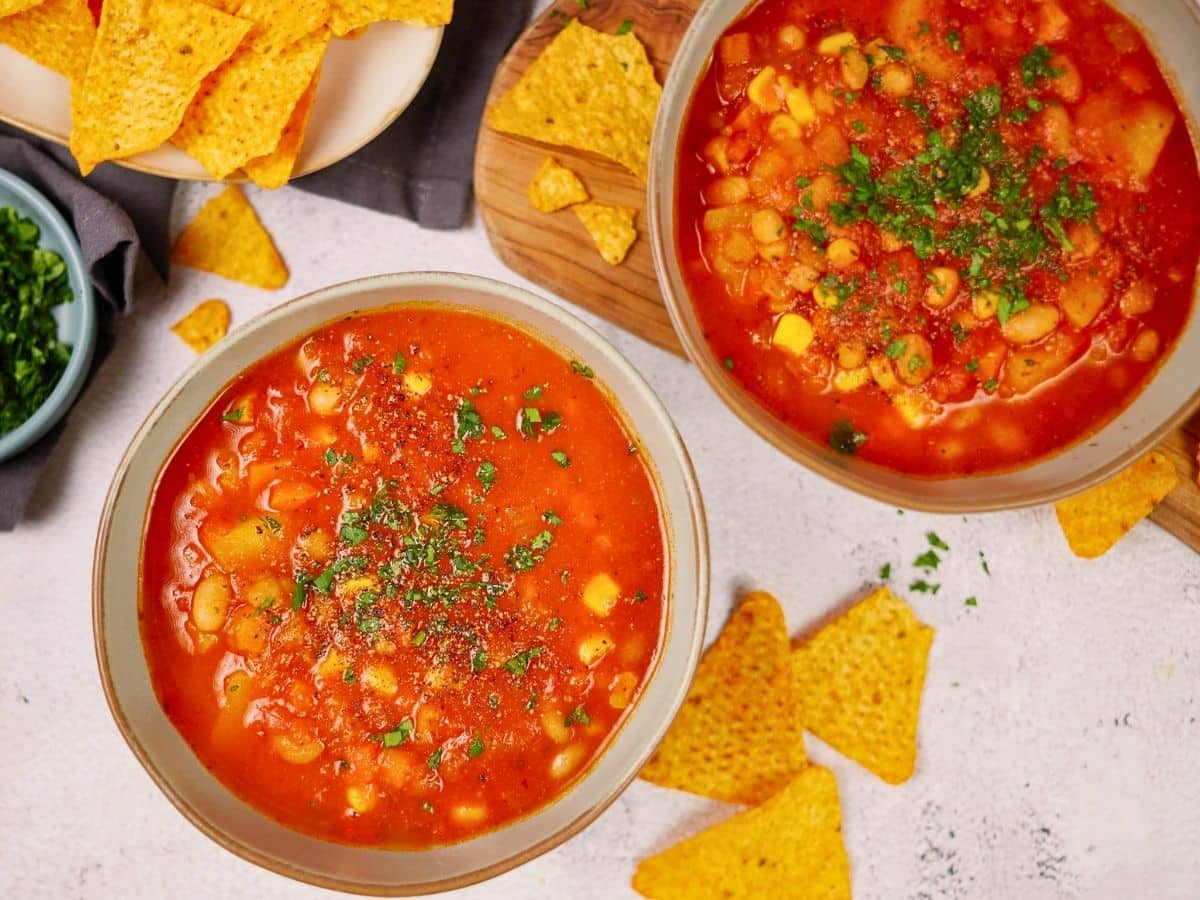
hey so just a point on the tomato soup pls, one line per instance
(948, 236)
(403, 579)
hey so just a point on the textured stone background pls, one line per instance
(1059, 734)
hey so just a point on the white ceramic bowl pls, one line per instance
(1172, 28)
(170, 761)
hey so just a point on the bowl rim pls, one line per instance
(70, 383)
(691, 521)
(678, 94)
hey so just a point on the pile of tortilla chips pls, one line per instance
(856, 683)
(229, 81)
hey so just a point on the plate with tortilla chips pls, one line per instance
(264, 90)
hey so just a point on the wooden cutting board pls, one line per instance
(553, 250)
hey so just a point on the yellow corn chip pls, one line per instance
(1096, 519)
(737, 737)
(204, 325)
(348, 15)
(588, 90)
(791, 846)
(244, 106)
(280, 23)
(611, 227)
(227, 239)
(275, 169)
(859, 681)
(57, 34)
(555, 187)
(12, 7)
(148, 61)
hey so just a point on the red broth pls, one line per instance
(950, 237)
(403, 578)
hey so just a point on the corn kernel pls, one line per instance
(554, 723)
(621, 690)
(793, 333)
(791, 38)
(783, 127)
(855, 70)
(826, 297)
(800, 105)
(847, 380)
(767, 226)
(986, 304)
(332, 664)
(982, 185)
(842, 252)
(361, 797)
(834, 44)
(601, 594)
(380, 679)
(943, 287)
(468, 813)
(762, 90)
(566, 761)
(417, 383)
(324, 399)
(884, 373)
(594, 648)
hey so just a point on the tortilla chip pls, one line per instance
(244, 106)
(791, 846)
(351, 14)
(275, 169)
(611, 227)
(555, 187)
(859, 682)
(280, 23)
(13, 7)
(204, 325)
(1096, 519)
(57, 34)
(588, 90)
(149, 59)
(227, 239)
(741, 707)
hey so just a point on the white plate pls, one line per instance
(365, 84)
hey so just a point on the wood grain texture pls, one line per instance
(554, 251)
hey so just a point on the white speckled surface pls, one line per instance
(1059, 732)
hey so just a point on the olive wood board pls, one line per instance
(554, 251)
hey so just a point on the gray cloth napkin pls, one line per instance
(419, 168)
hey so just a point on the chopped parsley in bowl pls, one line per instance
(47, 320)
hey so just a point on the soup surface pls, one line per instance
(403, 578)
(950, 237)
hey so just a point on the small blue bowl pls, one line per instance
(76, 320)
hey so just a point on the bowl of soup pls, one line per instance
(401, 584)
(940, 251)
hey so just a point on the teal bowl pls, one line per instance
(76, 320)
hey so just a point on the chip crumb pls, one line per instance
(790, 846)
(859, 682)
(611, 227)
(227, 239)
(555, 187)
(588, 90)
(1095, 520)
(741, 706)
(204, 325)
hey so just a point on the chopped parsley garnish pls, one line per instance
(554, 624)
(234, 415)
(361, 363)
(924, 587)
(519, 664)
(479, 660)
(984, 565)
(625, 27)
(272, 524)
(399, 734)
(551, 517)
(580, 369)
(885, 571)
(578, 715)
(467, 425)
(561, 458)
(927, 560)
(954, 39)
(399, 363)
(971, 601)
(895, 349)
(1035, 65)
(845, 438)
(811, 227)
(498, 433)
(420, 638)
(267, 603)
(935, 541)
(728, 363)
(972, 366)
(435, 760)
(535, 392)
(348, 676)
(352, 533)
(541, 540)
(475, 747)
(486, 473)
